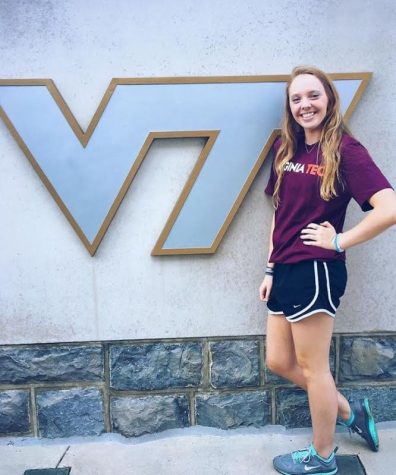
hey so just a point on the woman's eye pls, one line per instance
(296, 100)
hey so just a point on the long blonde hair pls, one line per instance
(333, 126)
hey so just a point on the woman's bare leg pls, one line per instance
(281, 358)
(312, 339)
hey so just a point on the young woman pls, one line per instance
(318, 167)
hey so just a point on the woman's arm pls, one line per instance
(378, 220)
(270, 242)
(266, 285)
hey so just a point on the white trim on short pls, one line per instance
(270, 312)
(319, 310)
(328, 286)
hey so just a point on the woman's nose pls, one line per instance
(305, 103)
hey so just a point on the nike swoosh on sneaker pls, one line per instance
(307, 469)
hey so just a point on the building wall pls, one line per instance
(52, 291)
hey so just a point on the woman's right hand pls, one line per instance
(265, 288)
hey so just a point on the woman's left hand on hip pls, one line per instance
(320, 235)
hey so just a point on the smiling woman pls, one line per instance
(308, 104)
(312, 181)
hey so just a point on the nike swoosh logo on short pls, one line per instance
(307, 469)
(296, 306)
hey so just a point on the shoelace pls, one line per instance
(302, 455)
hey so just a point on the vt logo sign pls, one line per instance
(89, 172)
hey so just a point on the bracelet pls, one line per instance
(336, 243)
(269, 270)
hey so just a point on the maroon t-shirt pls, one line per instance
(301, 204)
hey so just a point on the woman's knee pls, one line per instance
(312, 368)
(280, 355)
(279, 365)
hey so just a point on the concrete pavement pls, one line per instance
(196, 450)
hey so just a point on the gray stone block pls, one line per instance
(234, 363)
(232, 410)
(70, 412)
(292, 408)
(156, 365)
(134, 416)
(372, 358)
(382, 400)
(51, 363)
(275, 379)
(14, 412)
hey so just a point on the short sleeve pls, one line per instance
(359, 173)
(269, 189)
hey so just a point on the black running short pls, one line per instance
(308, 287)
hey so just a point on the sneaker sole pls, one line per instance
(371, 425)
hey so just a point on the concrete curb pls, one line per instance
(197, 450)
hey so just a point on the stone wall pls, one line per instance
(138, 387)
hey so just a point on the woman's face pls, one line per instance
(308, 104)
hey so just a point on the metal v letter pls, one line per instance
(88, 173)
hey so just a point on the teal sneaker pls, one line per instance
(363, 423)
(306, 461)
